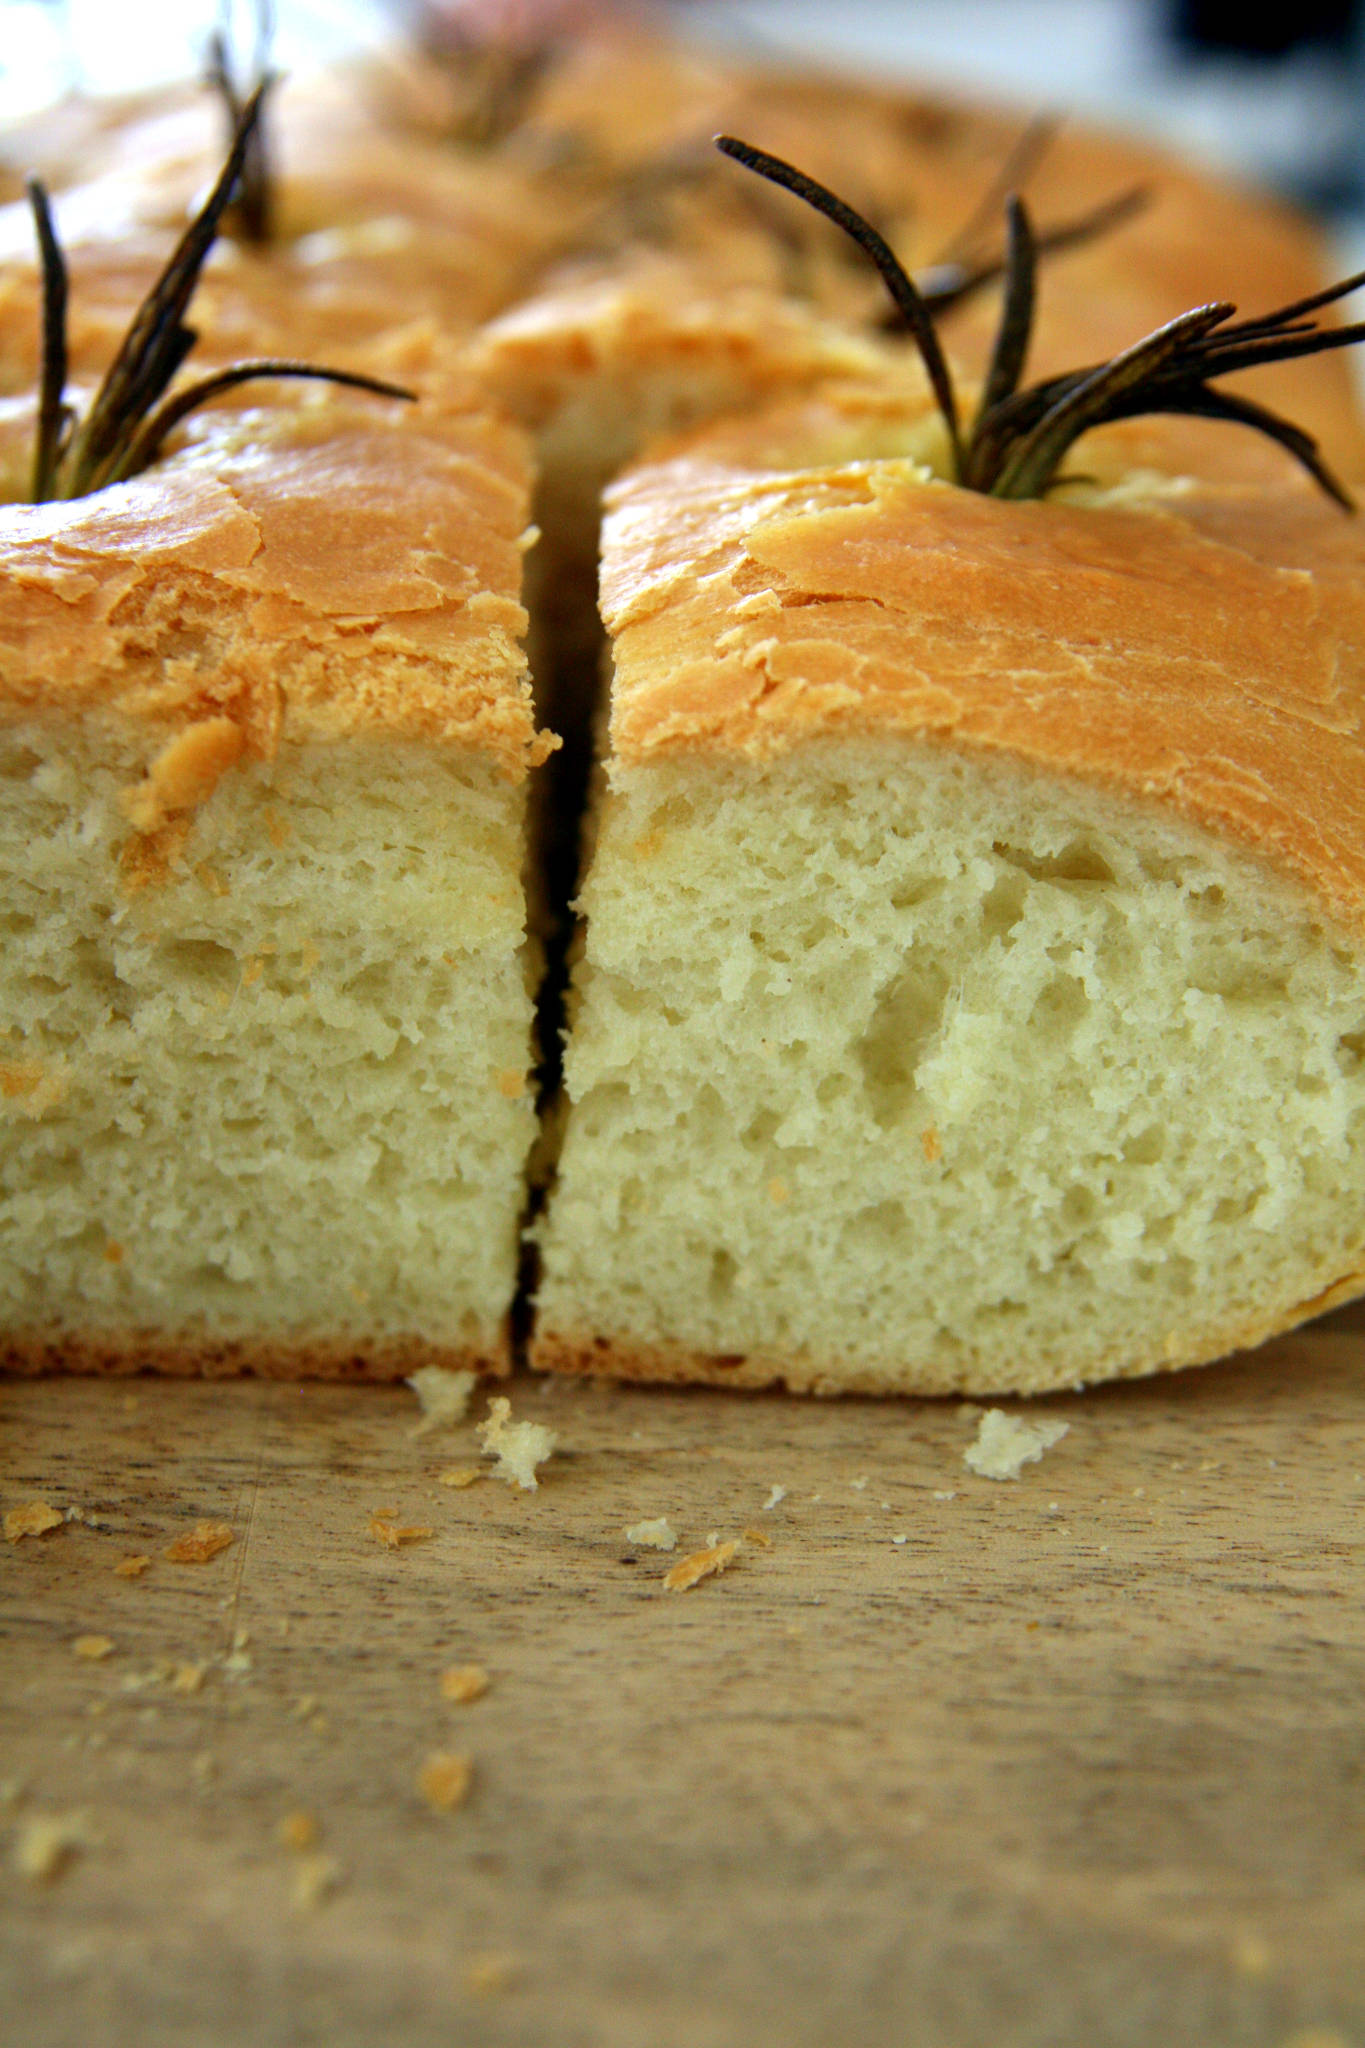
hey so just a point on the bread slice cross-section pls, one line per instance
(265, 734)
(973, 989)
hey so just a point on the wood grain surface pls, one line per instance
(1080, 1761)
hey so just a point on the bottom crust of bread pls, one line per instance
(351, 1359)
(622, 1359)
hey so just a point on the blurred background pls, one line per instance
(1274, 94)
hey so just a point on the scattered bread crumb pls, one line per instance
(187, 1678)
(34, 1518)
(204, 1541)
(463, 1683)
(316, 1877)
(132, 1567)
(298, 1830)
(859, 1485)
(393, 1534)
(46, 1845)
(1250, 1955)
(775, 1494)
(518, 1446)
(759, 1536)
(444, 1779)
(1004, 1444)
(93, 1648)
(442, 1395)
(459, 1475)
(656, 1535)
(702, 1564)
(84, 1517)
(898, 1540)
(487, 1975)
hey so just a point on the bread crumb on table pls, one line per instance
(1250, 1954)
(462, 1683)
(132, 1567)
(442, 1395)
(656, 1535)
(759, 1536)
(775, 1494)
(46, 1845)
(93, 1648)
(519, 1447)
(444, 1780)
(298, 1830)
(316, 1877)
(34, 1518)
(459, 1475)
(1004, 1444)
(203, 1542)
(702, 1564)
(487, 1975)
(394, 1535)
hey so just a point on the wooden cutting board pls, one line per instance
(1064, 1762)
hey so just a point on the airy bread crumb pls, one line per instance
(1004, 1444)
(444, 1780)
(132, 1567)
(463, 1683)
(394, 1535)
(656, 1535)
(204, 1541)
(93, 1648)
(518, 1446)
(34, 1518)
(702, 1564)
(442, 1395)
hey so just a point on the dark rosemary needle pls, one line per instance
(131, 414)
(252, 205)
(1019, 437)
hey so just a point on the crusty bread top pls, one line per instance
(325, 565)
(1196, 643)
(651, 311)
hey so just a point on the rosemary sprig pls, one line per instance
(253, 202)
(496, 77)
(959, 271)
(1019, 438)
(131, 415)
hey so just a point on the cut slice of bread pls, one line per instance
(973, 993)
(265, 731)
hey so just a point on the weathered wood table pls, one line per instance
(1071, 1761)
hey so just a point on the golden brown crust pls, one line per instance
(1200, 647)
(329, 566)
(652, 311)
(357, 1357)
(588, 1356)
